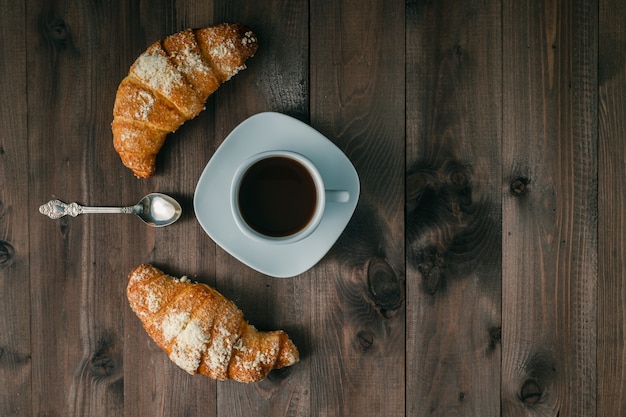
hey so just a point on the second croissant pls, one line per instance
(204, 332)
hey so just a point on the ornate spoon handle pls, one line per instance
(55, 209)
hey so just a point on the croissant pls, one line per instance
(169, 84)
(202, 331)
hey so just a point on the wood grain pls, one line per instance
(611, 209)
(453, 220)
(549, 222)
(66, 336)
(357, 100)
(15, 314)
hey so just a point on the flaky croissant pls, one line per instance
(202, 331)
(169, 84)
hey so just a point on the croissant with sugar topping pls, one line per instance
(204, 332)
(169, 84)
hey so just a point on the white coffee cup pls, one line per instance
(279, 197)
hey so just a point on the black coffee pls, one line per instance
(277, 196)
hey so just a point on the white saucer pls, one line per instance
(259, 133)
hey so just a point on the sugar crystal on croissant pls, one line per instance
(204, 332)
(169, 84)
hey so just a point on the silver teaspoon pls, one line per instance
(155, 209)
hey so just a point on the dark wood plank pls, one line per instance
(276, 79)
(611, 208)
(550, 208)
(96, 380)
(155, 385)
(358, 315)
(15, 343)
(61, 109)
(453, 222)
(76, 67)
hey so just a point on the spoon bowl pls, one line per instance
(158, 210)
(155, 209)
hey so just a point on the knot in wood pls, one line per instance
(385, 288)
(102, 366)
(12, 358)
(459, 178)
(432, 279)
(531, 392)
(519, 186)
(431, 264)
(495, 334)
(540, 371)
(455, 208)
(365, 340)
(6, 253)
(457, 175)
(58, 30)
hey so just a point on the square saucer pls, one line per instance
(265, 132)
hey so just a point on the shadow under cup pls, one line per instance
(279, 197)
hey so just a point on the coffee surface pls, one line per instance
(277, 197)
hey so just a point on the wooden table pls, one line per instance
(482, 273)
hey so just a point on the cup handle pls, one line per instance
(337, 196)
